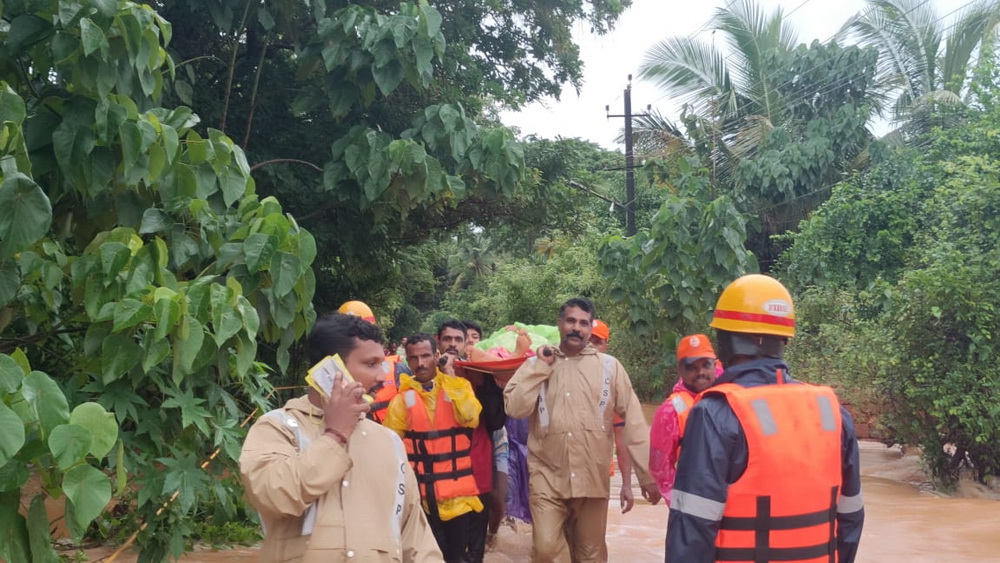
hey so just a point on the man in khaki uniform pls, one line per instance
(571, 394)
(330, 485)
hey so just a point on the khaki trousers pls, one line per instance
(569, 530)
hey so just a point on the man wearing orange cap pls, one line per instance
(600, 338)
(695, 373)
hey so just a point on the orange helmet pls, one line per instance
(358, 309)
(755, 304)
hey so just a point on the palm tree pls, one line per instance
(776, 123)
(730, 101)
(923, 62)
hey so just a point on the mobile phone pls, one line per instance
(321, 376)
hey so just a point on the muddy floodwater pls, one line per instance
(903, 522)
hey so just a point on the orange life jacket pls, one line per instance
(384, 395)
(682, 403)
(438, 450)
(784, 506)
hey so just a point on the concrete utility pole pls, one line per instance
(629, 158)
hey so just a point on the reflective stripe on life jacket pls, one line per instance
(784, 506)
(438, 451)
(682, 403)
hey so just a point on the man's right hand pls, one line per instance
(546, 354)
(344, 407)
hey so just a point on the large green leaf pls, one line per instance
(130, 312)
(13, 529)
(102, 425)
(12, 437)
(25, 214)
(258, 250)
(11, 374)
(119, 353)
(89, 490)
(286, 269)
(93, 37)
(13, 475)
(46, 400)
(166, 311)
(39, 537)
(12, 107)
(25, 31)
(154, 221)
(190, 335)
(69, 444)
(388, 76)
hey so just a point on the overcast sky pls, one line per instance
(610, 59)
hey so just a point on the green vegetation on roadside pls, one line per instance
(185, 185)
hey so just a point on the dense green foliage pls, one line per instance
(370, 121)
(139, 269)
(775, 124)
(144, 268)
(908, 254)
(41, 433)
(669, 275)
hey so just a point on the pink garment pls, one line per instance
(499, 352)
(664, 437)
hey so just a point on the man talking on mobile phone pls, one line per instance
(328, 483)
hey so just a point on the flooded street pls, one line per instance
(903, 523)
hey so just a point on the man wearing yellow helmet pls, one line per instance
(769, 469)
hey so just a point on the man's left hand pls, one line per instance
(651, 493)
(627, 500)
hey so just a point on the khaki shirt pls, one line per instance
(570, 457)
(356, 491)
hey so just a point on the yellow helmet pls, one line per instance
(755, 304)
(358, 309)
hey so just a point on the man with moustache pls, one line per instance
(435, 414)
(696, 372)
(571, 394)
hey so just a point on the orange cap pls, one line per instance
(601, 330)
(694, 347)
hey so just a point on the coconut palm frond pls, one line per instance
(876, 28)
(654, 134)
(915, 27)
(750, 136)
(755, 38)
(688, 69)
(974, 25)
